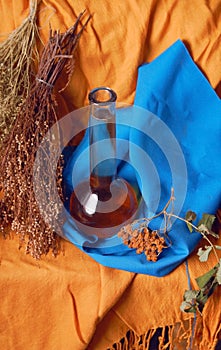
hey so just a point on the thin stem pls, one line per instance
(171, 214)
(161, 212)
(197, 229)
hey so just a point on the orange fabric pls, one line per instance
(71, 302)
(122, 36)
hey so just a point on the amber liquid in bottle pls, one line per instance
(105, 202)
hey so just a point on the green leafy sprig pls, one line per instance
(193, 300)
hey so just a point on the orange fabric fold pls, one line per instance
(120, 38)
(55, 303)
(71, 302)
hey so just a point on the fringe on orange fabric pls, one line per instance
(181, 336)
(207, 340)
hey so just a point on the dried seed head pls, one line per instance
(35, 118)
(144, 241)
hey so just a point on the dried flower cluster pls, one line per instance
(18, 207)
(17, 55)
(137, 235)
(144, 241)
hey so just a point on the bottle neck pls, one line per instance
(102, 139)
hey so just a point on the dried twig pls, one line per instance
(19, 207)
(17, 55)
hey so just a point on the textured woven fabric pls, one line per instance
(73, 302)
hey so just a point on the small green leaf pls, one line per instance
(218, 274)
(187, 307)
(207, 220)
(218, 247)
(204, 254)
(189, 295)
(190, 216)
(201, 300)
(207, 283)
(189, 301)
(203, 280)
(204, 229)
(190, 227)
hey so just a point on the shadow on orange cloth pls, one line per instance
(71, 302)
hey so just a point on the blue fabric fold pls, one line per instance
(182, 126)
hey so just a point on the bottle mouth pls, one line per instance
(102, 95)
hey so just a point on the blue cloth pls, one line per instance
(174, 133)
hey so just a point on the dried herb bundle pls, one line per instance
(19, 207)
(17, 55)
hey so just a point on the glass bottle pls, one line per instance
(105, 202)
